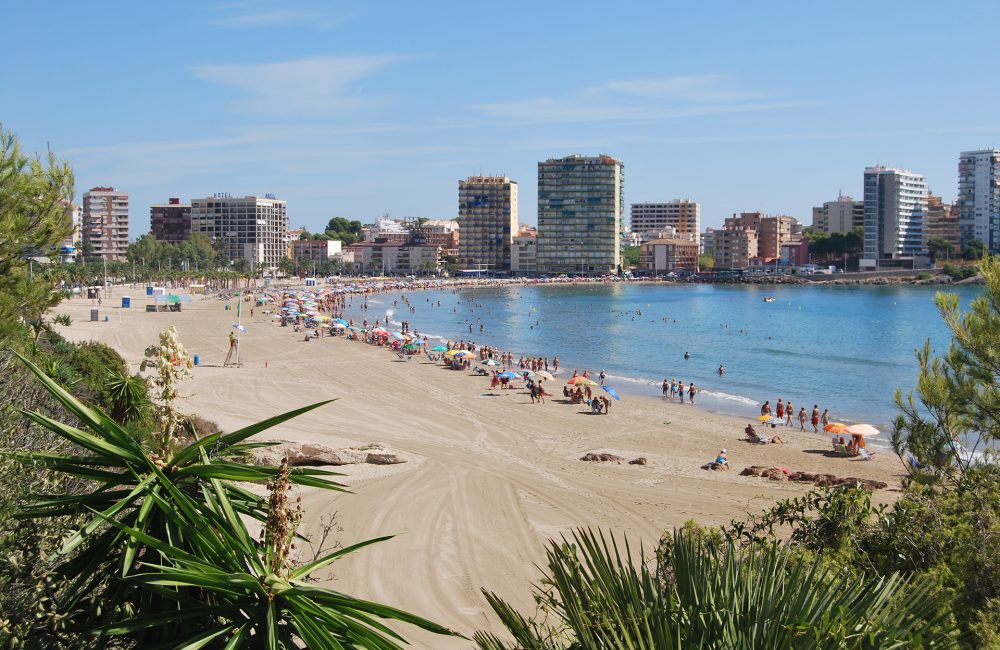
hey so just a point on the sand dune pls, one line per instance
(491, 476)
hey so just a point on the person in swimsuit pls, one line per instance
(815, 418)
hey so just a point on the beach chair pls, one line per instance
(865, 454)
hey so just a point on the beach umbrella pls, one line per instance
(545, 375)
(835, 427)
(465, 353)
(490, 362)
(451, 353)
(410, 346)
(438, 348)
(765, 417)
(862, 430)
(342, 321)
(773, 420)
(611, 391)
(509, 375)
(398, 335)
(582, 381)
(339, 326)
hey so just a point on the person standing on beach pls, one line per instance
(789, 412)
(665, 388)
(555, 364)
(802, 419)
(691, 392)
(815, 418)
(680, 390)
(602, 377)
(673, 388)
(780, 409)
(766, 408)
(826, 417)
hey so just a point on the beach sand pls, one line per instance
(490, 478)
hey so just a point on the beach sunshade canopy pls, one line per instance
(836, 427)
(582, 381)
(490, 362)
(611, 391)
(465, 353)
(339, 326)
(410, 346)
(862, 430)
(509, 375)
(451, 353)
(438, 348)
(545, 375)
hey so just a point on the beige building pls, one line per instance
(942, 221)
(315, 250)
(524, 255)
(581, 200)
(843, 215)
(772, 232)
(734, 247)
(487, 212)
(661, 256)
(386, 257)
(104, 224)
(680, 217)
(254, 228)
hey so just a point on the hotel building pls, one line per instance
(105, 223)
(895, 209)
(487, 212)
(254, 228)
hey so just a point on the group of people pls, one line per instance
(785, 411)
(674, 389)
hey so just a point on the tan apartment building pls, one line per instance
(680, 217)
(487, 214)
(315, 250)
(661, 256)
(772, 232)
(104, 224)
(942, 221)
(524, 255)
(843, 215)
(734, 247)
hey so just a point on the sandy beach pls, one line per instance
(490, 476)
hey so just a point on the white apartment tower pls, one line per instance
(581, 200)
(979, 197)
(487, 217)
(680, 215)
(105, 223)
(895, 209)
(255, 228)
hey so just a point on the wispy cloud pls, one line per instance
(265, 13)
(302, 87)
(698, 88)
(629, 100)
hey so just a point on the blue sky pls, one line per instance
(363, 108)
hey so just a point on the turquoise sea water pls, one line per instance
(845, 348)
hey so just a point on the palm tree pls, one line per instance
(715, 595)
(165, 554)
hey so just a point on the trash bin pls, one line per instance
(94, 315)
(126, 302)
(197, 359)
(227, 307)
(149, 291)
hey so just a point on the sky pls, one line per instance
(361, 109)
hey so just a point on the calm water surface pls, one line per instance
(845, 348)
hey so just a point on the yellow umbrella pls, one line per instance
(451, 353)
(582, 381)
(766, 416)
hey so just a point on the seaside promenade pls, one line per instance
(490, 476)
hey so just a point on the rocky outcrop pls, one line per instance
(820, 480)
(638, 461)
(301, 454)
(601, 458)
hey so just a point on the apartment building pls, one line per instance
(895, 211)
(524, 255)
(315, 250)
(104, 224)
(680, 217)
(942, 222)
(487, 212)
(734, 246)
(843, 215)
(662, 256)
(581, 200)
(979, 197)
(772, 232)
(254, 228)
(170, 221)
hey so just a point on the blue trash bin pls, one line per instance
(126, 302)
(197, 359)
(149, 291)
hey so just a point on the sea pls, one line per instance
(844, 348)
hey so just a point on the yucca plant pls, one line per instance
(166, 556)
(128, 397)
(703, 595)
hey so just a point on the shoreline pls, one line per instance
(490, 477)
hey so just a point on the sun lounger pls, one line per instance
(865, 454)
